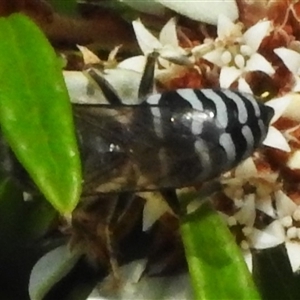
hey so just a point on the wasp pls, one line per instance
(169, 140)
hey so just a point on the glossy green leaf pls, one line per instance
(35, 112)
(274, 275)
(217, 267)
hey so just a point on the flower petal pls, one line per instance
(248, 259)
(266, 205)
(285, 205)
(290, 58)
(88, 56)
(292, 111)
(146, 40)
(154, 208)
(296, 87)
(214, 57)
(294, 160)
(246, 169)
(225, 26)
(243, 86)
(293, 250)
(246, 215)
(199, 10)
(279, 105)
(174, 55)
(271, 236)
(228, 75)
(135, 63)
(258, 63)
(275, 139)
(81, 89)
(168, 34)
(255, 34)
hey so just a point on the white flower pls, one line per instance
(203, 11)
(289, 215)
(291, 59)
(275, 138)
(166, 46)
(236, 52)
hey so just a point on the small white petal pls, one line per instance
(246, 215)
(246, 169)
(228, 75)
(294, 160)
(276, 140)
(279, 105)
(285, 205)
(271, 236)
(296, 87)
(154, 208)
(293, 251)
(248, 259)
(225, 26)
(199, 10)
(135, 63)
(290, 58)
(243, 86)
(146, 40)
(215, 57)
(81, 89)
(175, 55)
(88, 56)
(257, 62)
(292, 111)
(168, 34)
(255, 34)
(265, 205)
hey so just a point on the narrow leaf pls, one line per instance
(50, 269)
(35, 112)
(217, 268)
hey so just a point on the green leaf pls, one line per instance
(217, 267)
(35, 112)
(274, 275)
(50, 269)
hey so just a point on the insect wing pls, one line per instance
(136, 148)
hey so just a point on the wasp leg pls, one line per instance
(107, 89)
(120, 206)
(147, 81)
(111, 244)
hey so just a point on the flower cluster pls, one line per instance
(255, 55)
(258, 58)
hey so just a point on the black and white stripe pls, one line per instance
(174, 139)
(224, 125)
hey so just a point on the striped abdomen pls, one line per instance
(174, 139)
